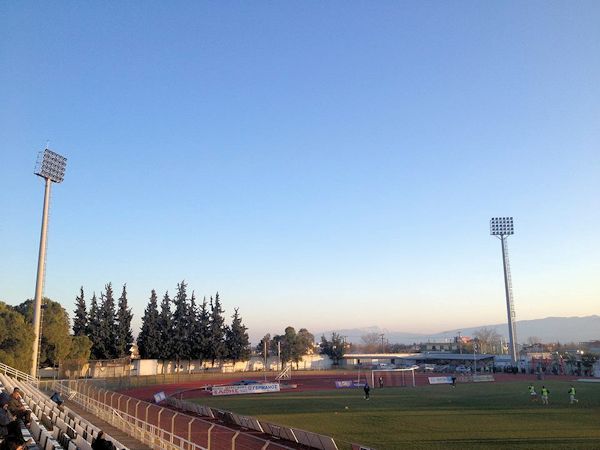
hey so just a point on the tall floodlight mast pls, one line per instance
(51, 167)
(502, 227)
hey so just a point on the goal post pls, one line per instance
(393, 377)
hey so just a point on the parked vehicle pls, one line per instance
(245, 382)
(462, 369)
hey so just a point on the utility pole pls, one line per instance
(279, 355)
(265, 356)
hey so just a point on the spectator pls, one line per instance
(13, 443)
(17, 408)
(102, 444)
(5, 416)
(10, 426)
(56, 398)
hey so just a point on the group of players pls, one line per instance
(545, 392)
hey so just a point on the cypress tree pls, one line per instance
(93, 327)
(217, 349)
(193, 327)
(108, 331)
(202, 343)
(80, 321)
(124, 333)
(149, 338)
(165, 322)
(180, 325)
(238, 343)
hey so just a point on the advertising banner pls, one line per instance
(258, 388)
(348, 384)
(482, 378)
(440, 380)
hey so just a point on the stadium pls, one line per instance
(307, 410)
(290, 225)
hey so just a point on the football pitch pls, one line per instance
(470, 416)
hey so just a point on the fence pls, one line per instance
(156, 426)
(305, 438)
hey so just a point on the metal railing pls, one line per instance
(18, 375)
(139, 429)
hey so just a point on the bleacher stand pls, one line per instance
(53, 426)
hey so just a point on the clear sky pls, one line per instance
(320, 164)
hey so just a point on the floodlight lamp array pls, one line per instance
(51, 165)
(501, 226)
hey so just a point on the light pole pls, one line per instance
(502, 227)
(51, 167)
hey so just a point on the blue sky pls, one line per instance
(320, 164)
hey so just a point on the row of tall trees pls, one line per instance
(107, 326)
(183, 330)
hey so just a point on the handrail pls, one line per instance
(17, 374)
(146, 432)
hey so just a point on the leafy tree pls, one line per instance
(305, 342)
(80, 321)
(181, 348)
(237, 341)
(123, 325)
(288, 343)
(165, 324)
(334, 348)
(81, 347)
(93, 327)
(149, 338)
(260, 348)
(56, 342)
(16, 338)
(292, 346)
(217, 349)
(107, 332)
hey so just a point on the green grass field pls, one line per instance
(470, 416)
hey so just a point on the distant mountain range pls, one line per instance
(550, 329)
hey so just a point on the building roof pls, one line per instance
(425, 356)
(434, 356)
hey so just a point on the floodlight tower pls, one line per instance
(502, 227)
(51, 167)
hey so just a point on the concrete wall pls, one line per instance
(143, 367)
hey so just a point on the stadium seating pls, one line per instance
(53, 427)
